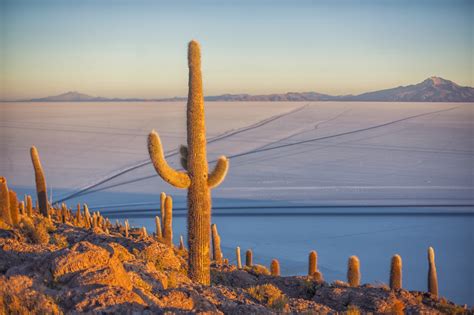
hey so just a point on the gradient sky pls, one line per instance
(138, 48)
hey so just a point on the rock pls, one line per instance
(79, 257)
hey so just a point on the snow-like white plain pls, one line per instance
(288, 162)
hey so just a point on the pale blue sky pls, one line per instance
(138, 48)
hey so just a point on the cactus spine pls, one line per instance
(396, 273)
(168, 223)
(312, 263)
(239, 260)
(5, 214)
(216, 245)
(275, 268)
(249, 258)
(159, 234)
(40, 182)
(432, 275)
(196, 179)
(353, 271)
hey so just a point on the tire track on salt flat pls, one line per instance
(172, 153)
(265, 148)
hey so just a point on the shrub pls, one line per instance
(269, 295)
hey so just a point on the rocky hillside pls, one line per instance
(53, 266)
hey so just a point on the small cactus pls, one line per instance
(21, 207)
(40, 182)
(196, 178)
(432, 275)
(317, 276)
(353, 271)
(181, 243)
(5, 214)
(396, 273)
(87, 216)
(216, 245)
(275, 268)
(144, 232)
(29, 206)
(237, 256)
(249, 258)
(13, 207)
(127, 227)
(162, 211)
(159, 234)
(168, 223)
(312, 263)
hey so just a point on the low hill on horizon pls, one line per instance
(433, 89)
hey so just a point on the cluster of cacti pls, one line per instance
(216, 245)
(196, 177)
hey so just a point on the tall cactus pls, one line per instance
(216, 245)
(168, 223)
(5, 215)
(432, 275)
(196, 178)
(40, 182)
(396, 273)
(312, 263)
(353, 271)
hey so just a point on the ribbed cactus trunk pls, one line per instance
(396, 273)
(162, 211)
(432, 274)
(40, 182)
(196, 177)
(5, 215)
(353, 271)
(199, 194)
(168, 224)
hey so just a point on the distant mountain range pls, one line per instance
(433, 89)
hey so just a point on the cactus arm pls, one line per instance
(170, 175)
(219, 172)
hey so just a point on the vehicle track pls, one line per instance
(172, 153)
